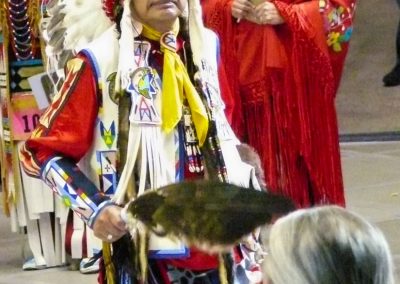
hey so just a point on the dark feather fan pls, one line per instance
(211, 215)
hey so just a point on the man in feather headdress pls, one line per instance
(284, 69)
(140, 109)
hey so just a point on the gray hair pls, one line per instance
(327, 245)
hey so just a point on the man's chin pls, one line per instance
(167, 15)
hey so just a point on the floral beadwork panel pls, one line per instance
(338, 22)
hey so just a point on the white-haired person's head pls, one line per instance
(326, 245)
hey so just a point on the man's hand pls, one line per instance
(109, 225)
(268, 14)
(242, 9)
(264, 13)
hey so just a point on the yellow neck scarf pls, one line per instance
(176, 85)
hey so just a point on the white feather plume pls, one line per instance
(70, 26)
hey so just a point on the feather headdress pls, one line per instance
(68, 25)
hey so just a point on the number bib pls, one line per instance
(25, 115)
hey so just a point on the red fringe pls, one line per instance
(289, 116)
(218, 18)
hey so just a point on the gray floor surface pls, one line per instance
(363, 104)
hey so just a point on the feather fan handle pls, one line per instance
(223, 274)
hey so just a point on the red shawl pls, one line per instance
(283, 81)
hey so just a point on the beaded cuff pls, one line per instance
(76, 190)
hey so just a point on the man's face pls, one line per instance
(154, 12)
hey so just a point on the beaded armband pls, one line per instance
(75, 189)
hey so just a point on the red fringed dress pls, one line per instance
(283, 81)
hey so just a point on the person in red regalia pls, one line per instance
(284, 61)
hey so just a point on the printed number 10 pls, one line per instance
(30, 122)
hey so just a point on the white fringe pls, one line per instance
(196, 32)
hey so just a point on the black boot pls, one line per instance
(393, 77)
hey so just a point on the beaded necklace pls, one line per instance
(22, 40)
